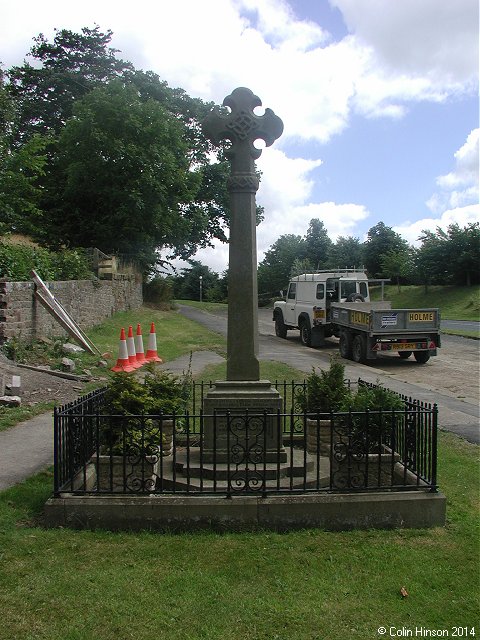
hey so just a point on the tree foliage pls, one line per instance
(124, 174)
(381, 240)
(445, 257)
(111, 156)
(346, 253)
(274, 270)
(317, 244)
(451, 256)
(62, 72)
(397, 264)
(198, 277)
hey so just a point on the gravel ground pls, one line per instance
(37, 386)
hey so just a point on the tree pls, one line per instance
(450, 256)
(464, 253)
(125, 177)
(190, 281)
(300, 266)
(317, 244)
(20, 170)
(274, 270)
(347, 252)
(380, 240)
(430, 266)
(193, 203)
(63, 71)
(397, 264)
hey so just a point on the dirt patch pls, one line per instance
(38, 386)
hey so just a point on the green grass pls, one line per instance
(176, 336)
(81, 585)
(10, 416)
(455, 303)
(205, 306)
(269, 370)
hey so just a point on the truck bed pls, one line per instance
(380, 318)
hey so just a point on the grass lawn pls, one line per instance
(455, 303)
(78, 585)
(176, 336)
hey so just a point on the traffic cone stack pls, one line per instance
(132, 354)
(139, 346)
(152, 355)
(123, 362)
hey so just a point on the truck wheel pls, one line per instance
(404, 354)
(280, 327)
(305, 333)
(421, 356)
(345, 346)
(359, 349)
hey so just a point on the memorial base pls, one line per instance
(241, 425)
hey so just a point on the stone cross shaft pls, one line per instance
(242, 127)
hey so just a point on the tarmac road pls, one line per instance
(451, 380)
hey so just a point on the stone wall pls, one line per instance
(88, 302)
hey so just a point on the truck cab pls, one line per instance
(308, 299)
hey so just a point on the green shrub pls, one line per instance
(379, 402)
(157, 290)
(17, 261)
(127, 398)
(325, 391)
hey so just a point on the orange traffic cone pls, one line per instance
(152, 355)
(139, 346)
(132, 354)
(123, 363)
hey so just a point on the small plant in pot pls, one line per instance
(168, 396)
(363, 454)
(373, 415)
(138, 421)
(325, 392)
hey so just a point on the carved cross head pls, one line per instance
(241, 126)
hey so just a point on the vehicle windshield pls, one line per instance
(347, 288)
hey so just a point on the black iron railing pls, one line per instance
(234, 453)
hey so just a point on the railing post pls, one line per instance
(433, 452)
(56, 492)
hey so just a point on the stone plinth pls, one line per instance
(241, 425)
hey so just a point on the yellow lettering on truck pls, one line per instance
(421, 316)
(359, 317)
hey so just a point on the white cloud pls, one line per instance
(437, 39)
(459, 187)
(398, 52)
(466, 165)
(461, 216)
(457, 200)
(285, 193)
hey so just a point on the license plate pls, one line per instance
(404, 346)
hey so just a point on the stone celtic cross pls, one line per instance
(242, 127)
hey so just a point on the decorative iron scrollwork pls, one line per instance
(246, 453)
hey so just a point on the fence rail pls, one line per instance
(233, 452)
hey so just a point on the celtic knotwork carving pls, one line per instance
(247, 182)
(242, 126)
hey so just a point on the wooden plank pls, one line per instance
(60, 314)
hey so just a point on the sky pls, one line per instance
(379, 98)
